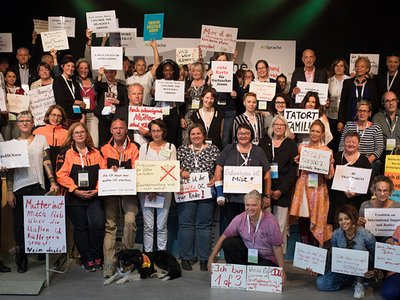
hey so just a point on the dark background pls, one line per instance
(333, 28)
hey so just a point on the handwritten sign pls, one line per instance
(218, 39)
(6, 42)
(392, 170)
(241, 180)
(306, 256)
(122, 182)
(102, 21)
(17, 103)
(44, 224)
(157, 176)
(194, 188)
(187, 55)
(228, 276)
(349, 261)
(264, 90)
(3, 106)
(387, 257)
(153, 27)
(169, 90)
(62, 23)
(108, 57)
(54, 39)
(314, 160)
(40, 25)
(14, 154)
(141, 116)
(382, 221)
(373, 58)
(125, 37)
(300, 120)
(40, 100)
(264, 279)
(320, 88)
(274, 70)
(351, 179)
(222, 77)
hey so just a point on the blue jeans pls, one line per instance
(333, 281)
(391, 287)
(229, 118)
(195, 224)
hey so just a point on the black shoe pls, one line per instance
(3, 268)
(186, 265)
(23, 267)
(203, 265)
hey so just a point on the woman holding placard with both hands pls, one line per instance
(391, 283)
(196, 217)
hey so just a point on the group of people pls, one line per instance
(86, 130)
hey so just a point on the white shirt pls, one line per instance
(146, 80)
(335, 90)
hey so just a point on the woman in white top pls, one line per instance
(157, 149)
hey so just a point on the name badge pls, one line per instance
(86, 100)
(83, 178)
(208, 141)
(262, 105)
(195, 104)
(390, 144)
(274, 171)
(76, 109)
(165, 110)
(221, 102)
(312, 180)
(165, 153)
(252, 256)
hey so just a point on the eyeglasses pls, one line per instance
(363, 111)
(279, 125)
(79, 133)
(243, 133)
(388, 101)
(25, 121)
(56, 116)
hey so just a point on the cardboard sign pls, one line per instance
(194, 188)
(315, 160)
(349, 261)
(387, 257)
(157, 176)
(17, 103)
(306, 256)
(264, 90)
(264, 279)
(392, 170)
(120, 183)
(241, 180)
(141, 116)
(40, 100)
(14, 154)
(222, 77)
(373, 58)
(169, 91)
(320, 88)
(102, 21)
(382, 221)
(108, 57)
(300, 119)
(44, 224)
(40, 25)
(55, 39)
(218, 39)
(62, 23)
(6, 43)
(187, 55)
(351, 179)
(153, 27)
(228, 276)
(125, 37)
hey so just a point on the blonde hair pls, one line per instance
(70, 141)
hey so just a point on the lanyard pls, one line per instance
(387, 81)
(351, 162)
(393, 127)
(71, 89)
(363, 132)
(249, 226)
(82, 161)
(362, 89)
(196, 160)
(273, 149)
(121, 155)
(85, 91)
(245, 158)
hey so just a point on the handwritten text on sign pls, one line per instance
(222, 76)
(349, 261)
(44, 223)
(300, 119)
(122, 182)
(382, 221)
(40, 100)
(17, 103)
(314, 160)
(157, 176)
(55, 39)
(218, 39)
(241, 180)
(194, 188)
(392, 170)
(263, 90)
(320, 88)
(141, 116)
(387, 257)
(264, 279)
(170, 90)
(187, 55)
(351, 179)
(228, 276)
(306, 256)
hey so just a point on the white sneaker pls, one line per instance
(358, 291)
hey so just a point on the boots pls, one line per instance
(21, 260)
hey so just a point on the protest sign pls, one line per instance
(141, 116)
(14, 154)
(241, 180)
(40, 25)
(157, 176)
(349, 261)
(187, 55)
(169, 90)
(314, 160)
(392, 170)
(228, 276)
(6, 43)
(320, 88)
(194, 188)
(382, 221)
(264, 90)
(40, 100)
(222, 76)
(108, 57)
(17, 103)
(351, 179)
(121, 182)
(102, 21)
(62, 23)
(153, 27)
(264, 279)
(300, 120)
(125, 37)
(307, 256)
(218, 39)
(55, 40)
(158, 202)
(387, 257)
(373, 58)
(3, 106)
(274, 70)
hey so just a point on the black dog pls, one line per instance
(161, 264)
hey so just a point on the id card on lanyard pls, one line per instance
(83, 175)
(252, 254)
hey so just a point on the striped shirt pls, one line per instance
(258, 126)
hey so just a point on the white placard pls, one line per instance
(187, 55)
(141, 116)
(157, 176)
(55, 39)
(351, 179)
(40, 100)
(320, 88)
(373, 58)
(158, 202)
(349, 261)
(14, 154)
(241, 180)
(125, 37)
(40, 25)
(300, 119)
(264, 90)
(307, 256)
(264, 279)
(62, 23)
(218, 39)
(228, 276)
(17, 103)
(120, 183)
(3, 106)
(382, 221)
(44, 224)
(222, 76)
(387, 257)
(6, 42)
(102, 21)
(169, 91)
(194, 188)
(314, 160)
(108, 57)
(274, 70)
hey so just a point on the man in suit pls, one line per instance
(26, 74)
(390, 80)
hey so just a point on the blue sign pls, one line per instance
(153, 27)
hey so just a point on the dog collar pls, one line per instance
(146, 261)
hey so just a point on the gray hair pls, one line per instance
(25, 113)
(283, 119)
(254, 194)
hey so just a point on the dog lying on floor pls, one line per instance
(135, 265)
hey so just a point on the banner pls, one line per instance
(194, 188)
(141, 116)
(300, 119)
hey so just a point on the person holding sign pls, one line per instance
(157, 149)
(28, 181)
(196, 217)
(349, 236)
(310, 203)
(78, 167)
(252, 238)
(391, 283)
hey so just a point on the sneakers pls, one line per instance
(186, 265)
(88, 266)
(98, 264)
(358, 291)
(108, 271)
